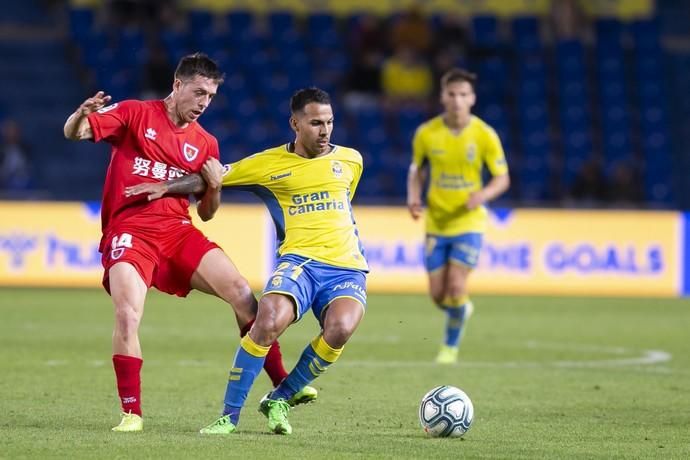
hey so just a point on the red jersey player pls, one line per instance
(154, 243)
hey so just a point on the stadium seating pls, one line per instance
(554, 103)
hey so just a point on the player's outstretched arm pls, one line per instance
(77, 127)
(185, 185)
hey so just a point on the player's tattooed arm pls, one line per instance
(185, 185)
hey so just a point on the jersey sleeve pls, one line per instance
(494, 156)
(214, 150)
(418, 148)
(247, 171)
(357, 168)
(110, 123)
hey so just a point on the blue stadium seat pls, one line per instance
(319, 24)
(608, 30)
(494, 114)
(370, 116)
(175, 43)
(81, 22)
(327, 81)
(572, 91)
(531, 178)
(616, 146)
(239, 22)
(525, 34)
(258, 63)
(329, 41)
(299, 68)
(131, 39)
(258, 134)
(247, 111)
(92, 48)
(131, 50)
(235, 85)
(485, 31)
(570, 55)
(210, 41)
(199, 21)
(280, 22)
(493, 77)
(275, 86)
(343, 134)
(612, 93)
(574, 116)
(646, 35)
(648, 66)
(336, 62)
(534, 115)
(290, 43)
(408, 120)
(374, 139)
(120, 85)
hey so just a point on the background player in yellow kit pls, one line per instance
(307, 186)
(452, 149)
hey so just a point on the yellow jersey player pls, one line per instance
(307, 186)
(452, 149)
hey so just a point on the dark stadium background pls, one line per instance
(593, 110)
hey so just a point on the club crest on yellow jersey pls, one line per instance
(337, 168)
(471, 152)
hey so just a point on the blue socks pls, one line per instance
(454, 322)
(315, 360)
(249, 360)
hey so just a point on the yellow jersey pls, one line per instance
(406, 81)
(309, 201)
(455, 170)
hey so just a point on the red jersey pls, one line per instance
(147, 147)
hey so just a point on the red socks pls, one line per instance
(128, 375)
(273, 365)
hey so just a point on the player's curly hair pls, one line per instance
(198, 64)
(305, 96)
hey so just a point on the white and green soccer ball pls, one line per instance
(445, 412)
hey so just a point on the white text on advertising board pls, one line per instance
(19, 246)
(557, 257)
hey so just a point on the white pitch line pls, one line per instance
(648, 357)
(533, 344)
(644, 362)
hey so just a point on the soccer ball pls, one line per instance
(446, 411)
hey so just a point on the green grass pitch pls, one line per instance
(549, 378)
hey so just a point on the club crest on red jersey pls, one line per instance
(190, 152)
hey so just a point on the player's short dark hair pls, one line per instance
(305, 96)
(458, 75)
(198, 64)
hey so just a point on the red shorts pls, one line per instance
(165, 258)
